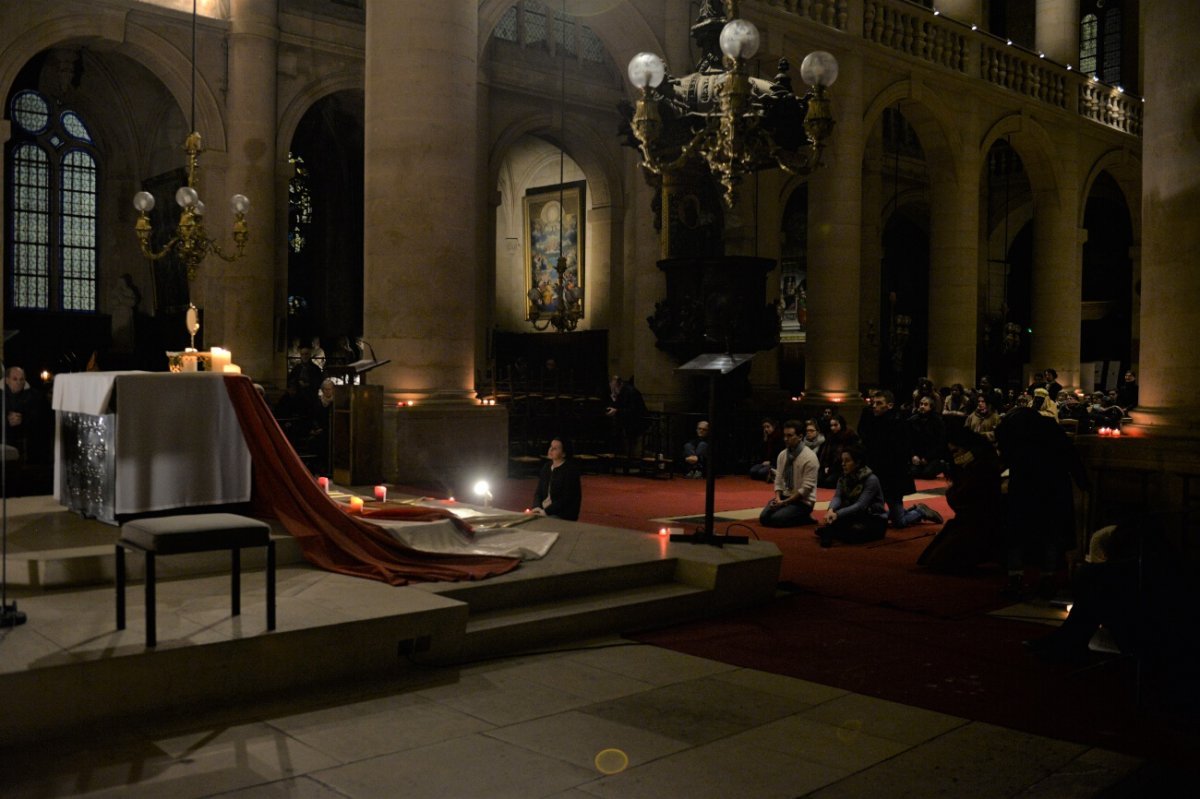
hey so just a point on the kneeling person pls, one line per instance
(795, 482)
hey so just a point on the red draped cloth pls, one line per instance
(329, 537)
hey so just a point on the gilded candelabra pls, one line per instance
(191, 242)
(752, 124)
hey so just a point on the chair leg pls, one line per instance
(151, 615)
(271, 585)
(120, 587)
(237, 581)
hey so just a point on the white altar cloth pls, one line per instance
(177, 442)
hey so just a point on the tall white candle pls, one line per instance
(220, 359)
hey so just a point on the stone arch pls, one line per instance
(621, 28)
(154, 52)
(1033, 144)
(1126, 169)
(581, 142)
(928, 115)
(306, 97)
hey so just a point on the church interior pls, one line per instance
(651, 216)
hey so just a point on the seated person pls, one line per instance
(857, 513)
(559, 492)
(772, 443)
(795, 483)
(813, 438)
(695, 452)
(984, 420)
(28, 423)
(975, 534)
(829, 454)
(928, 439)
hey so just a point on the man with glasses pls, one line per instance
(695, 452)
(795, 482)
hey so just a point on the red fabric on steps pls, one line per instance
(329, 537)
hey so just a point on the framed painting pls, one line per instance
(554, 224)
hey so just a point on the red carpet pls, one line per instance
(866, 619)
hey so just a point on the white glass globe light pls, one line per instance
(482, 488)
(739, 39)
(143, 201)
(186, 196)
(646, 69)
(240, 203)
(819, 68)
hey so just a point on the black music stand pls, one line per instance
(353, 373)
(712, 365)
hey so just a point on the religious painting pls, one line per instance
(793, 301)
(554, 227)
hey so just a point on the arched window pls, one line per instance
(50, 229)
(1100, 40)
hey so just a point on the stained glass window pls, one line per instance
(1088, 33)
(51, 225)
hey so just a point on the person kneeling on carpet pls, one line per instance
(559, 493)
(795, 482)
(857, 513)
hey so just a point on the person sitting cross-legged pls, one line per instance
(857, 513)
(795, 482)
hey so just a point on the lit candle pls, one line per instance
(323, 482)
(221, 358)
(232, 369)
(381, 493)
(189, 360)
(356, 504)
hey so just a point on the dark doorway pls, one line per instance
(325, 221)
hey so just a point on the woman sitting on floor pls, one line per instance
(857, 513)
(559, 493)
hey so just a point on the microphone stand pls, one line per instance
(9, 615)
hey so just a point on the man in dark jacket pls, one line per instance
(889, 451)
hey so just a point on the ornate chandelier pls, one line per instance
(191, 243)
(735, 124)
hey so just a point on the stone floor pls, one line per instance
(606, 718)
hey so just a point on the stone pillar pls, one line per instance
(1057, 280)
(954, 272)
(834, 249)
(968, 11)
(1056, 31)
(422, 209)
(601, 253)
(243, 319)
(1170, 360)
(872, 258)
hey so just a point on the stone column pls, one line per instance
(968, 11)
(244, 317)
(835, 248)
(1056, 30)
(1170, 359)
(954, 272)
(599, 277)
(422, 209)
(1057, 280)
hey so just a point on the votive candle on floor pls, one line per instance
(356, 504)
(381, 493)
(323, 482)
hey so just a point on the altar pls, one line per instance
(139, 442)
